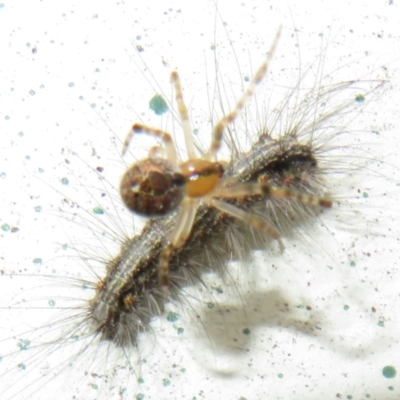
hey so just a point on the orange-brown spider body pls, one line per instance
(155, 187)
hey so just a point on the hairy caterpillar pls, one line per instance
(361, 172)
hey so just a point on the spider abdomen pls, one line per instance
(152, 187)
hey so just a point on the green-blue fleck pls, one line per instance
(24, 344)
(360, 98)
(166, 382)
(389, 372)
(172, 316)
(5, 227)
(98, 210)
(158, 105)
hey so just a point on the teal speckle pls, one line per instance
(24, 344)
(389, 372)
(32, 92)
(140, 396)
(121, 390)
(20, 134)
(71, 84)
(52, 303)
(365, 195)
(41, 170)
(210, 305)
(65, 181)
(381, 324)
(345, 307)
(280, 376)
(246, 331)
(3, 175)
(172, 316)
(98, 210)
(390, 387)
(218, 289)
(22, 366)
(5, 227)
(1, 5)
(180, 331)
(352, 264)
(94, 386)
(242, 398)
(368, 396)
(166, 382)
(360, 98)
(140, 381)
(158, 105)
(38, 209)
(37, 261)
(349, 396)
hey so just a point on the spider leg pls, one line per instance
(180, 233)
(156, 152)
(248, 219)
(183, 113)
(219, 128)
(267, 191)
(165, 137)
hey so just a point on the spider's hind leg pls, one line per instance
(177, 238)
(262, 189)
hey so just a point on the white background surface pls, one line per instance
(82, 90)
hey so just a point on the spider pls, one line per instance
(160, 184)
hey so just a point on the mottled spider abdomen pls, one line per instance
(152, 187)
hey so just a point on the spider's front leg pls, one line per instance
(165, 137)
